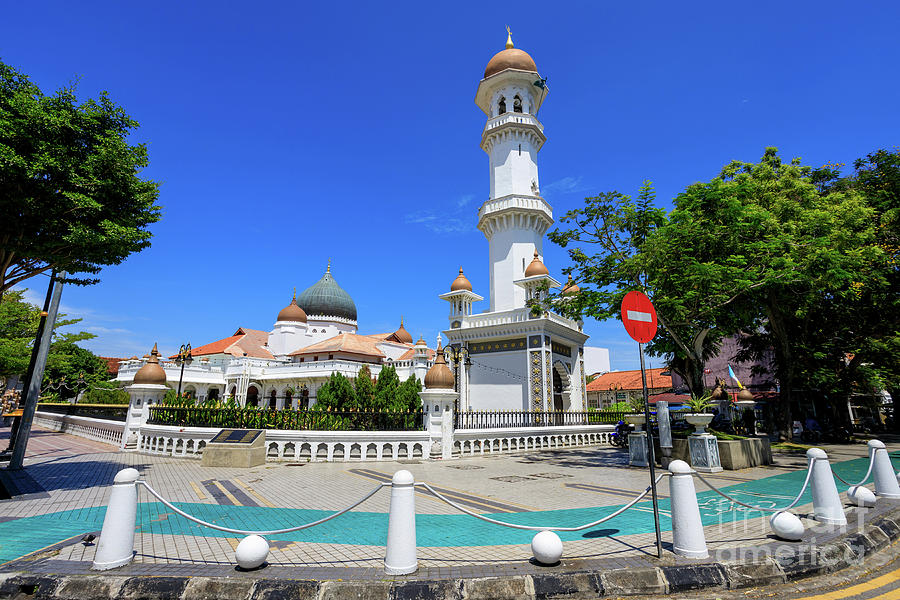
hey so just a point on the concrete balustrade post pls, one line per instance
(886, 485)
(116, 545)
(400, 551)
(827, 506)
(687, 528)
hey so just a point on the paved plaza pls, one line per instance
(62, 494)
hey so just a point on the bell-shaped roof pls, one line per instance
(510, 58)
(151, 373)
(402, 335)
(292, 312)
(536, 267)
(461, 283)
(326, 298)
(571, 288)
(439, 376)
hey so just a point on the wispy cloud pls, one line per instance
(566, 185)
(450, 219)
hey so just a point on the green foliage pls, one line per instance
(71, 198)
(635, 404)
(699, 403)
(336, 394)
(105, 396)
(364, 389)
(386, 389)
(18, 326)
(408, 395)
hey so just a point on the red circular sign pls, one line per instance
(639, 317)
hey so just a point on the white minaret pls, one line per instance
(515, 217)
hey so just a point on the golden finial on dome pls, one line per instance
(328, 270)
(509, 43)
(295, 296)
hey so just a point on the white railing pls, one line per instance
(514, 201)
(518, 315)
(468, 442)
(99, 430)
(513, 117)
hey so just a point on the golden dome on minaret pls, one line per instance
(536, 267)
(439, 376)
(151, 373)
(292, 312)
(509, 58)
(461, 283)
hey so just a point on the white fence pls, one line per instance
(99, 430)
(337, 446)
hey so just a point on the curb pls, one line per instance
(802, 561)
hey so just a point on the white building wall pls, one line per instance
(513, 164)
(286, 337)
(509, 250)
(498, 381)
(596, 360)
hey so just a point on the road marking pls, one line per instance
(477, 502)
(237, 493)
(198, 491)
(861, 588)
(218, 494)
(634, 315)
(259, 496)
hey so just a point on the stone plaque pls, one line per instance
(236, 448)
(236, 436)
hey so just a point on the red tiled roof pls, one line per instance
(112, 364)
(350, 343)
(670, 397)
(249, 341)
(630, 380)
(408, 355)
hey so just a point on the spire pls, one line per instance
(509, 43)
(328, 270)
(295, 296)
(154, 354)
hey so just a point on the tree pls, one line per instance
(408, 395)
(71, 198)
(68, 363)
(336, 394)
(18, 325)
(364, 389)
(386, 389)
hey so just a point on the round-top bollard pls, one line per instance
(827, 505)
(787, 526)
(687, 529)
(861, 496)
(251, 552)
(883, 472)
(116, 545)
(546, 547)
(400, 552)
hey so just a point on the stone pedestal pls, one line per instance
(437, 405)
(243, 448)
(704, 451)
(637, 449)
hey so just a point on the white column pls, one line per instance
(883, 472)
(688, 538)
(116, 545)
(400, 551)
(827, 506)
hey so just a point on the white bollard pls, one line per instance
(827, 506)
(861, 496)
(883, 471)
(546, 547)
(116, 545)
(787, 526)
(400, 552)
(687, 528)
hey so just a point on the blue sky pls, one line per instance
(284, 134)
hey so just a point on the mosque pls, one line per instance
(518, 355)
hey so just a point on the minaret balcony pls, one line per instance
(513, 120)
(533, 209)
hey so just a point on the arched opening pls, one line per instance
(303, 404)
(517, 104)
(288, 398)
(501, 106)
(273, 400)
(252, 396)
(212, 394)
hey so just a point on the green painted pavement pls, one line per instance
(24, 536)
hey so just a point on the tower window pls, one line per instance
(520, 149)
(501, 106)
(517, 104)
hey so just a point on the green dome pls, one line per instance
(327, 298)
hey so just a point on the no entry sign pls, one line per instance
(639, 317)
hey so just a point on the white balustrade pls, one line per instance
(99, 430)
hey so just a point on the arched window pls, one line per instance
(501, 106)
(517, 104)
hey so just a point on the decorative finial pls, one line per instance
(535, 253)
(295, 296)
(401, 320)
(328, 270)
(154, 352)
(460, 271)
(509, 43)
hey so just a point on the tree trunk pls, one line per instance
(784, 370)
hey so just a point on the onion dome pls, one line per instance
(292, 312)
(461, 283)
(745, 394)
(439, 376)
(421, 342)
(510, 58)
(571, 288)
(326, 298)
(402, 334)
(151, 373)
(718, 393)
(536, 267)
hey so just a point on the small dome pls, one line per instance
(402, 334)
(571, 288)
(292, 312)
(421, 342)
(439, 376)
(745, 394)
(151, 373)
(461, 283)
(326, 298)
(718, 393)
(536, 267)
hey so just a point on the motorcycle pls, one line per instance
(619, 437)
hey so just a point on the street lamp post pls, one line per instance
(457, 354)
(184, 358)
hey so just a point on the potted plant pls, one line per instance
(697, 415)
(635, 415)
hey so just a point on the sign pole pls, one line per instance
(651, 459)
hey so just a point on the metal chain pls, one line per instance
(535, 527)
(245, 532)
(760, 508)
(864, 479)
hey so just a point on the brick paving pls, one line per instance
(66, 483)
